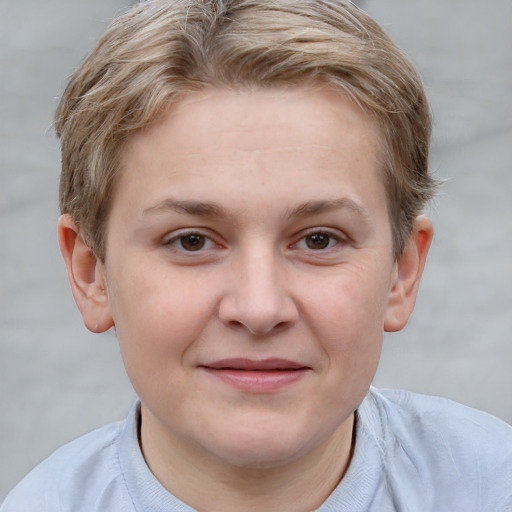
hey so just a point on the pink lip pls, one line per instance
(256, 376)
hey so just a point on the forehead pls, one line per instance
(246, 137)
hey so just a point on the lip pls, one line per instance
(256, 376)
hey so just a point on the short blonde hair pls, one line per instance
(160, 49)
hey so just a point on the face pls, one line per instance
(249, 271)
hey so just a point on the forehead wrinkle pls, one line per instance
(252, 149)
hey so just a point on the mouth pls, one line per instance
(250, 375)
(253, 365)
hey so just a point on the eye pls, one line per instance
(191, 242)
(319, 241)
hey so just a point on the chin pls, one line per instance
(264, 448)
(262, 458)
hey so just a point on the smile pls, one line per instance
(256, 376)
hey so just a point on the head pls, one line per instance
(160, 50)
(242, 182)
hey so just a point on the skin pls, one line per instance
(251, 225)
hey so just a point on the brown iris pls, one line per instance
(193, 242)
(318, 241)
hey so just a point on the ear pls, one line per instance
(86, 275)
(409, 269)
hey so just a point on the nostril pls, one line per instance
(236, 324)
(281, 325)
(259, 313)
(259, 330)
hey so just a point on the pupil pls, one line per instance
(193, 242)
(317, 241)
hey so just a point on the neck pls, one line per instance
(210, 485)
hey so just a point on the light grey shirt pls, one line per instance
(413, 453)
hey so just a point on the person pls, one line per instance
(242, 194)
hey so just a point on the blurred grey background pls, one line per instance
(58, 381)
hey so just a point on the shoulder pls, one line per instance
(453, 449)
(84, 469)
(434, 416)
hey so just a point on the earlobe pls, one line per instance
(409, 269)
(86, 276)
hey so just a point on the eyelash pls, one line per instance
(180, 237)
(334, 239)
(202, 240)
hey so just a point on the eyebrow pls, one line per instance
(323, 206)
(190, 207)
(208, 209)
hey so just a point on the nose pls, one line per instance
(257, 297)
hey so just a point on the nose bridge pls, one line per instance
(261, 278)
(258, 298)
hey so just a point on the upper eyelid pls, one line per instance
(321, 229)
(169, 240)
(206, 232)
(172, 246)
(340, 238)
(335, 233)
(178, 233)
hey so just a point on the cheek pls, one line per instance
(347, 316)
(353, 301)
(158, 315)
